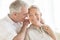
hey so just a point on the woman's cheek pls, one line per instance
(31, 19)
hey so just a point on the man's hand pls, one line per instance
(26, 23)
(22, 33)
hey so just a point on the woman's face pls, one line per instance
(34, 15)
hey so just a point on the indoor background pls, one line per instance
(50, 11)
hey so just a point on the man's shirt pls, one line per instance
(9, 29)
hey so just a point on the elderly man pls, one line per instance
(13, 27)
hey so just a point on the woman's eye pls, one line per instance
(30, 15)
(36, 14)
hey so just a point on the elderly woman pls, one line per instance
(38, 30)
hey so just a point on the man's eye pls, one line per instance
(24, 14)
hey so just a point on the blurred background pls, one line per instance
(50, 12)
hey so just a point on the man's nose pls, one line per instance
(26, 16)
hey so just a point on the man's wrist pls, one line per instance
(25, 26)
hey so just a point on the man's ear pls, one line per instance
(15, 15)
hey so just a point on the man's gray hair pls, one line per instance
(16, 6)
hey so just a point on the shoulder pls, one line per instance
(3, 22)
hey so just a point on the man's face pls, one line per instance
(34, 15)
(23, 14)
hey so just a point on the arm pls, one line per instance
(21, 34)
(48, 30)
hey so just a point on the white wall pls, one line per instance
(4, 7)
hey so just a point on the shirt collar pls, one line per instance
(10, 20)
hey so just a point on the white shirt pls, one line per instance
(36, 34)
(9, 29)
